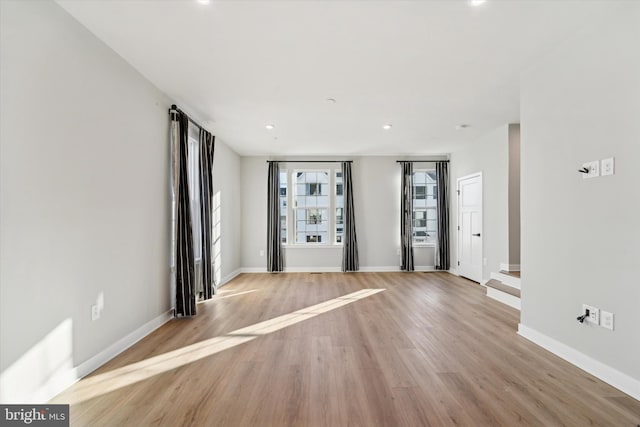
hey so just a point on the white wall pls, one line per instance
(580, 237)
(514, 194)
(376, 189)
(489, 155)
(84, 207)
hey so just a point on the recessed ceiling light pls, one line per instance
(462, 126)
(269, 127)
(204, 1)
(477, 2)
(387, 126)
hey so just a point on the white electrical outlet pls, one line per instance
(606, 320)
(261, 252)
(607, 166)
(594, 314)
(593, 168)
(95, 312)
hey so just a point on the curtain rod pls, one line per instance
(422, 161)
(309, 161)
(175, 109)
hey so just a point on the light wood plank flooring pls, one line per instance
(429, 350)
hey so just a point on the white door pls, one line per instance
(470, 227)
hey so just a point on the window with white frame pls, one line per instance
(339, 198)
(283, 206)
(307, 199)
(193, 172)
(425, 205)
(311, 206)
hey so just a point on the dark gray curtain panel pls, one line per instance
(406, 217)
(184, 279)
(350, 240)
(442, 250)
(207, 143)
(275, 255)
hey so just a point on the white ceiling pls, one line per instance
(424, 66)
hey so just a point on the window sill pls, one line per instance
(424, 245)
(312, 246)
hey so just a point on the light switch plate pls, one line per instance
(594, 314)
(594, 169)
(606, 319)
(607, 167)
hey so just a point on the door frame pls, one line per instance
(459, 220)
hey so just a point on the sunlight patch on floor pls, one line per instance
(220, 295)
(100, 384)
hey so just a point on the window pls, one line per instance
(311, 212)
(339, 207)
(283, 206)
(193, 171)
(311, 204)
(425, 199)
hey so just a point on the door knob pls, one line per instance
(476, 235)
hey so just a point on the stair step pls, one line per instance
(511, 273)
(507, 279)
(496, 284)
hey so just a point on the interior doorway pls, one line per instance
(470, 226)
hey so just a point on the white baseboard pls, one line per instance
(365, 269)
(395, 268)
(381, 269)
(229, 277)
(312, 269)
(253, 270)
(504, 298)
(295, 270)
(606, 373)
(66, 376)
(510, 267)
(122, 344)
(454, 271)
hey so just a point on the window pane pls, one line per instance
(323, 177)
(193, 180)
(339, 204)
(283, 206)
(425, 217)
(311, 207)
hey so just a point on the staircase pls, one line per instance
(505, 287)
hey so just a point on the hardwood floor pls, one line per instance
(430, 349)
